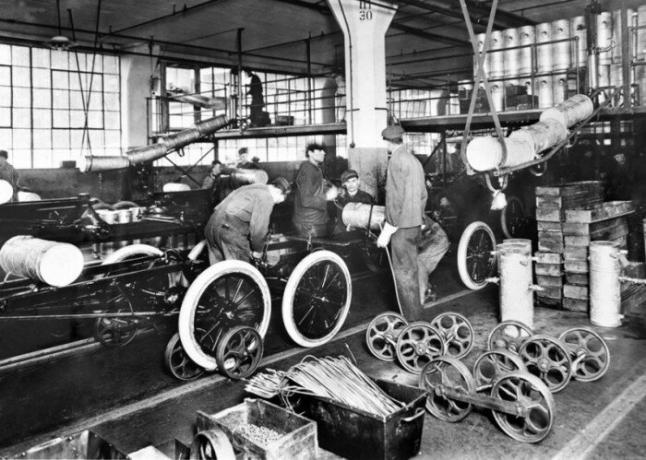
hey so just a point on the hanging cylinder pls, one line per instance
(360, 215)
(545, 93)
(516, 290)
(541, 135)
(6, 191)
(496, 56)
(511, 39)
(578, 30)
(526, 39)
(559, 88)
(485, 153)
(153, 152)
(574, 110)
(56, 264)
(605, 287)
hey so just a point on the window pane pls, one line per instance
(20, 56)
(77, 119)
(21, 118)
(5, 96)
(61, 100)
(40, 57)
(21, 76)
(21, 158)
(111, 101)
(42, 138)
(5, 54)
(97, 139)
(60, 137)
(59, 60)
(76, 102)
(21, 139)
(21, 97)
(110, 64)
(95, 119)
(42, 98)
(42, 158)
(77, 139)
(112, 139)
(5, 75)
(61, 119)
(5, 117)
(111, 84)
(60, 80)
(42, 78)
(112, 120)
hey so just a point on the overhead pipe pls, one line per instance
(143, 154)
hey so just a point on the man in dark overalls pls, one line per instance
(405, 202)
(351, 193)
(238, 227)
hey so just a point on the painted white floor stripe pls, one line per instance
(604, 423)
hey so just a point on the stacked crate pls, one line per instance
(606, 221)
(552, 203)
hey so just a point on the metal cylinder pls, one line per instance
(544, 91)
(561, 55)
(103, 163)
(617, 27)
(605, 287)
(239, 177)
(559, 88)
(570, 112)
(603, 79)
(516, 293)
(522, 244)
(53, 263)
(543, 49)
(578, 30)
(526, 39)
(496, 56)
(604, 37)
(485, 153)
(360, 215)
(511, 39)
(541, 135)
(497, 95)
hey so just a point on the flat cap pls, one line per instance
(393, 133)
(282, 184)
(349, 174)
(243, 150)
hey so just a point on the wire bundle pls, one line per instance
(336, 379)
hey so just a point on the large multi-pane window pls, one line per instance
(58, 105)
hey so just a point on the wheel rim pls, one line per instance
(589, 352)
(382, 334)
(535, 424)
(211, 444)
(512, 218)
(479, 259)
(548, 360)
(493, 364)
(317, 298)
(508, 335)
(417, 345)
(231, 300)
(457, 333)
(441, 374)
(178, 362)
(239, 352)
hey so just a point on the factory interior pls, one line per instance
(321, 229)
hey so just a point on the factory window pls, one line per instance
(44, 95)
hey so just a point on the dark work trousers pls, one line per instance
(227, 238)
(403, 246)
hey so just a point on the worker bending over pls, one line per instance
(405, 202)
(238, 227)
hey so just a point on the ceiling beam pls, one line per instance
(183, 12)
(504, 19)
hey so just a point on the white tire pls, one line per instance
(191, 301)
(473, 276)
(297, 332)
(132, 250)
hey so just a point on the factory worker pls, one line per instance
(239, 224)
(311, 217)
(405, 202)
(350, 194)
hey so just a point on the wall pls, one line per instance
(135, 88)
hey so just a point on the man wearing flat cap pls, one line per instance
(350, 193)
(405, 202)
(238, 227)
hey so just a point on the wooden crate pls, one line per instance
(600, 212)
(550, 241)
(548, 269)
(574, 291)
(549, 281)
(575, 253)
(580, 279)
(548, 257)
(576, 266)
(575, 304)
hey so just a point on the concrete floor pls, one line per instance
(125, 396)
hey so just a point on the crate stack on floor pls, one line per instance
(552, 204)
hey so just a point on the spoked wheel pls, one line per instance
(317, 298)
(546, 358)
(178, 363)
(239, 352)
(533, 423)
(116, 331)
(457, 333)
(382, 334)
(211, 444)
(225, 295)
(418, 344)
(508, 335)
(491, 365)
(439, 375)
(475, 260)
(589, 353)
(512, 218)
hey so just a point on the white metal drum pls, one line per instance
(559, 88)
(543, 49)
(496, 57)
(526, 38)
(497, 95)
(579, 31)
(561, 55)
(545, 95)
(605, 287)
(511, 40)
(604, 37)
(516, 292)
